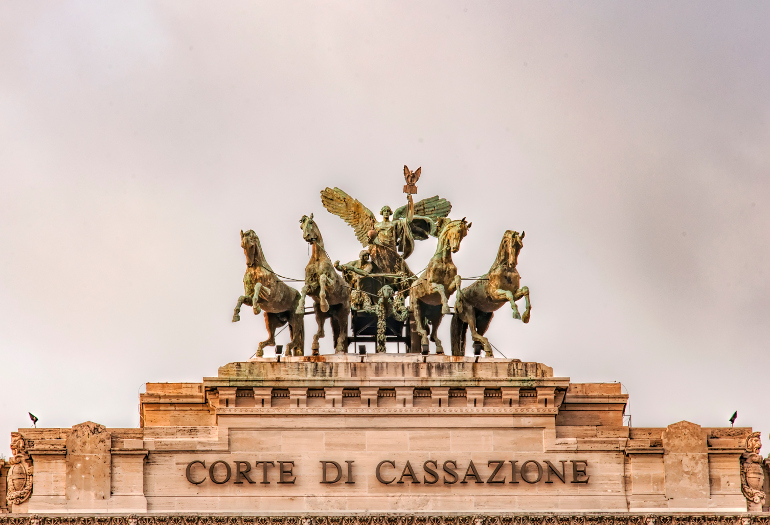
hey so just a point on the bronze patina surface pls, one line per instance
(264, 290)
(331, 296)
(476, 305)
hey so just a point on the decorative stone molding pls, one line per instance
(387, 410)
(752, 473)
(20, 471)
(679, 518)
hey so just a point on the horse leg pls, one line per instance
(434, 323)
(442, 292)
(524, 292)
(259, 288)
(320, 320)
(342, 330)
(272, 322)
(418, 324)
(475, 335)
(457, 330)
(508, 296)
(322, 294)
(237, 313)
(300, 310)
(297, 331)
(337, 333)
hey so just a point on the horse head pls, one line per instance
(253, 250)
(310, 231)
(453, 234)
(510, 247)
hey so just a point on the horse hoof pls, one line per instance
(439, 351)
(516, 315)
(425, 349)
(260, 353)
(525, 318)
(324, 307)
(236, 318)
(257, 311)
(445, 310)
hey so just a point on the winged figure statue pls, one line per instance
(390, 242)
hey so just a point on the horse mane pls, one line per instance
(259, 254)
(445, 230)
(502, 253)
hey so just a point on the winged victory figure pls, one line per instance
(390, 242)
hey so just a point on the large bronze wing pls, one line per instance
(432, 207)
(351, 211)
(425, 213)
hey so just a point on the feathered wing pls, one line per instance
(432, 207)
(426, 212)
(351, 211)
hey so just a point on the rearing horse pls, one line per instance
(437, 283)
(265, 291)
(331, 296)
(476, 305)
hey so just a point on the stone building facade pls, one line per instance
(380, 435)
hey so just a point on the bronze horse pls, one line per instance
(429, 294)
(476, 305)
(331, 296)
(265, 291)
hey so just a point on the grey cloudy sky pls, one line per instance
(628, 139)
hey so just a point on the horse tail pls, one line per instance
(457, 330)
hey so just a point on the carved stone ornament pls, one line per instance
(20, 472)
(752, 475)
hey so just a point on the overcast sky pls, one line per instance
(628, 139)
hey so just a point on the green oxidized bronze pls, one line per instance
(429, 295)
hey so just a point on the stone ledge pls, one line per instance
(357, 368)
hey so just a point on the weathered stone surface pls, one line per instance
(686, 465)
(89, 464)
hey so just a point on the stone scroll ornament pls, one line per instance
(752, 474)
(20, 472)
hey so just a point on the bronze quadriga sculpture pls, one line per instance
(372, 290)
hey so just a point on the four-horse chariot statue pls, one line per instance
(377, 295)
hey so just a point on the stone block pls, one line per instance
(88, 463)
(686, 466)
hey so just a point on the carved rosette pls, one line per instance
(752, 474)
(20, 473)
